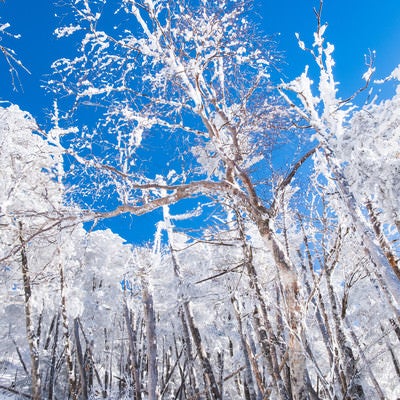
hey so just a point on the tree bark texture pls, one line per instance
(211, 382)
(30, 331)
(151, 335)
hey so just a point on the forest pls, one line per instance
(273, 271)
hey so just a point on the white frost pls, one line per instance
(66, 31)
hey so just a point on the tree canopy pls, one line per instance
(273, 271)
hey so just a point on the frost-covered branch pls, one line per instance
(10, 56)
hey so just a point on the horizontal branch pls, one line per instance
(180, 192)
(12, 390)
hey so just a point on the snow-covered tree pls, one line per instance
(276, 290)
(354, 191)
(204, 86)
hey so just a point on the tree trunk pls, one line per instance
(320, 311)
(265, 333)
(299, 380)
(134, 367)
(53, 358)
(383, 243)
(193, 386)
(248, 370)
(367, 366)
(209, 376)
(66, 336)
(31, 335)
(81, 364)
(382, 269)
(347, 362)
(151, 334)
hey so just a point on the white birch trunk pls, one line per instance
(30, 331)
(134, 367)
(66, 337)
(151, 334)
(299, 381)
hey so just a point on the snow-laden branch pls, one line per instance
(330, 118)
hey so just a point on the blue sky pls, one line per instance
(355, 26)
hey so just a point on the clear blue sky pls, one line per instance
(355, 26)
